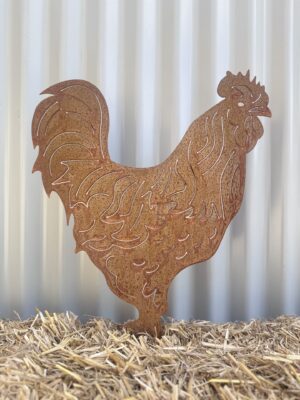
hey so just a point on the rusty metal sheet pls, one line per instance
(142, 226)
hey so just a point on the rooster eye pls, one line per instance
(240, 104)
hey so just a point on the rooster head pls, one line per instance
(245, 101)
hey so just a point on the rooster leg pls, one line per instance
(147, 322)
(150, 313)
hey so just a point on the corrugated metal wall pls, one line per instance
(158, 64)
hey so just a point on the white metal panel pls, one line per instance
(158, 64)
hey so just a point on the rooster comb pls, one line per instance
(230, 81)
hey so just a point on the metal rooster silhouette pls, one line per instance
(142, 226)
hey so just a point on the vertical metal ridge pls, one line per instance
(22, 139)
(47, 64)
(146, 84)
(4, 251)
(13, 153)
(291, 208)
(165, 77)
(219, 264)
(32, 72)
(257, 182)
(110, 64)
(127, 73)
(52, 208)
(277, 90)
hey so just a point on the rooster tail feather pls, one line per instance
(70, 127)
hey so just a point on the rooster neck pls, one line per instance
(210, 148)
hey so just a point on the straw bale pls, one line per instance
(54, 356)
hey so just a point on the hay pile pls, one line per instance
(55, 357)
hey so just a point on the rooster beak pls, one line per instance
(266, 112)
(261, 111)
